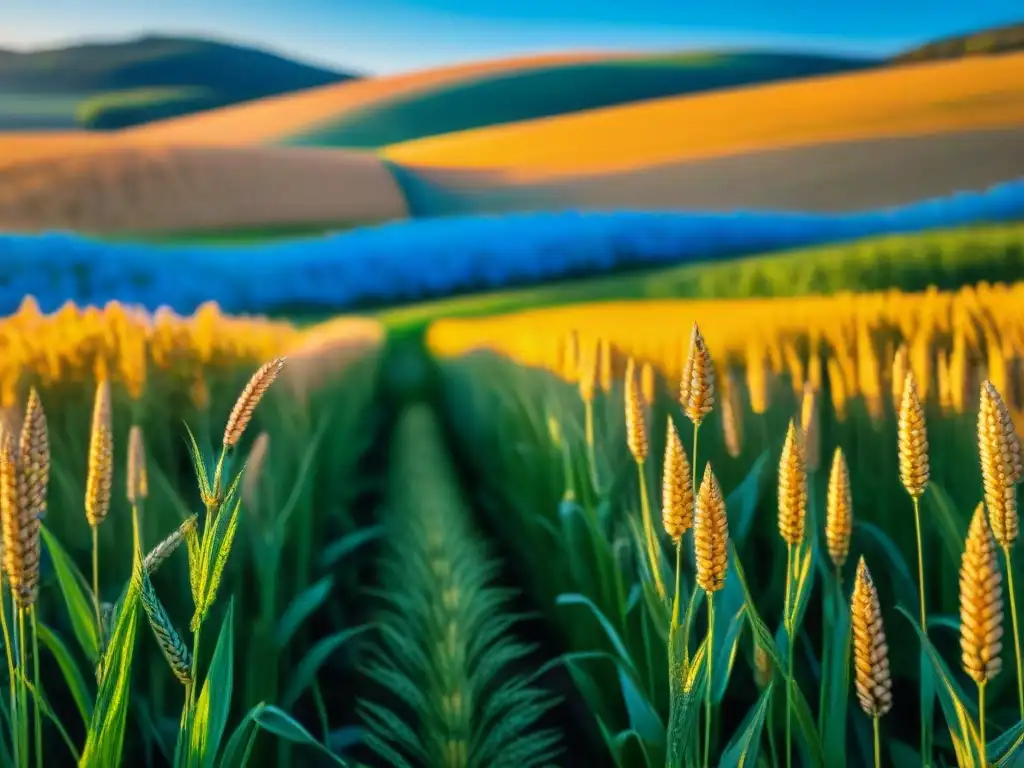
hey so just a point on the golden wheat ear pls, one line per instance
(981, 602)
(254, 391)
(872, 678)
(711, 534)
(792, 488)
(999, 452)
(838, 510)
(636, 417)
(913, 440)
(676, 487)
(701, 396)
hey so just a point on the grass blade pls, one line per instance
(79, 604)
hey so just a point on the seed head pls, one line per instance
(636, 426)
(732, 416)
(159, 554)
(759, 376)
(810, 427)
(999, 450)
(839, 510)
(792, 488)
(981, 602)
(913, 440)
(571, 356)
(702, 380)
(138, 478)
(588, 372)
(687, 376)
(101, 458)
(647, 384)
(604, 365)
(254, 391)
(870, 651)
(711, 534)
(900, 369)
(676, 487)
(34, 449)
(21, 526)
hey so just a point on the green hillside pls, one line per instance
(511, 96)
(114, 85)
(983, 42)
(946, 259)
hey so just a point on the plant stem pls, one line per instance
(772, 750)
(710, 684)
(96, 578)
(652, 540)
(35, 682)
(22, 694)
(981, 725)
(788, 622)
(878, 743)
(1016, 629)
(10, 667)
(588, 428)
(925, 751)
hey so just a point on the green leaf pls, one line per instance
(281, 724)
(951, 524)
(958, 716)
(81, 610)
(302, 676)
(104, 739)
(1007, 749)
(742, 502)
(642, 715)
(807, 732)
(836, 672)
(214, 703)
(80, 691)
(346, 545)
(744, 749)
(301, 608)
(904, 584)
(239, 745)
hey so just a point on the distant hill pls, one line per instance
(117, 84)
(515, 95)
(980, 43)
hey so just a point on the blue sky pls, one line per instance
(396, 35)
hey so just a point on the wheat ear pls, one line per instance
(636, 417)
(254, 391)
(981, 612)
(792, 489)
(34, 449)
(676, 487)
(138, 478)
(839, 511)
(870, 653)
(99, 480)
(1000, 453)
(711, 550)
(21, 526)
(701, 397)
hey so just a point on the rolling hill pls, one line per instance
(847, 141)
(117, 84)
(980, 43)
(523, 94)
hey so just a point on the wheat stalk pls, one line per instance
(732, 416)
(138, 479)
(711, 552)
(676, 487)
(872, 678)
(636, 426)
(792, 489)
(701, 396)
(1000, 454)
(810, 427)
(838, 511)
(913, 440)
(241, 413)
(34, 449)
(981, 612)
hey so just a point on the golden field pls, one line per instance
(978, 93)
(114, 188)
(963, 336)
